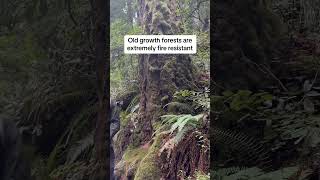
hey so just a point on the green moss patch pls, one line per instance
(134, 155)
(149, 166)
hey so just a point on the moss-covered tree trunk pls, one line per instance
(245, 35)
(160, 75)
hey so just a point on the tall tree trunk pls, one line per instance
(243, 46)
(102, 72)
(160, 75)
(130, 12)
(140, 11)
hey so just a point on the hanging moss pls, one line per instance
(160, 22)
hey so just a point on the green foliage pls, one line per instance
(133, 156)
(202, 58)
(239, 108)
(200, 100)
(123, 75)
(17, 55)
(81, 146)
(149, 166)
(287, 127)
(124, 118)
(118, 30)
(181, 124)
(48, 85)
(74, 171)
(117, 10)
(236, 173)
(44, 98)
(130, 160)
(40, 71)
(255, 173)
(297, 130)
(246, 100)
(178, 108)
(71, 133)
(219, 173)
(182, 95)
(247, 148)
(192, 14)
(183, 11)
(202, 176)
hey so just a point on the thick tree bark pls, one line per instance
(102, 72)
(160, 75)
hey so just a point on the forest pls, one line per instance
(265, 90)
(244, 107)
(56, 57)
(164, 116)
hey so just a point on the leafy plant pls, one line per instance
(202, 176)
(81, 146)
(256, 173)
(245, 99)
(181, 123)
(221, 172)
(199, 100)
(74, 171)
(247, 148)
(295, 128)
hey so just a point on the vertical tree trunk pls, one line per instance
(102, 71)
(140, 11)
(243, 45)
(130, 12)
(160, 75)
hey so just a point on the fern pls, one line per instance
(181, 121)
(246, 173)
(248, 148)
(181, 124)
(255, 173)
(219, 174)
(298, 128)
(76, 123)
(199, 100)
(79, 148)
(134, 104)
(199, 175)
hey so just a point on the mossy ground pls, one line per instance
(148, 168)
(143, 160)
(134, 155)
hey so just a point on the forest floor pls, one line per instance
(276, 134)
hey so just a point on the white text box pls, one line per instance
(160, 44)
